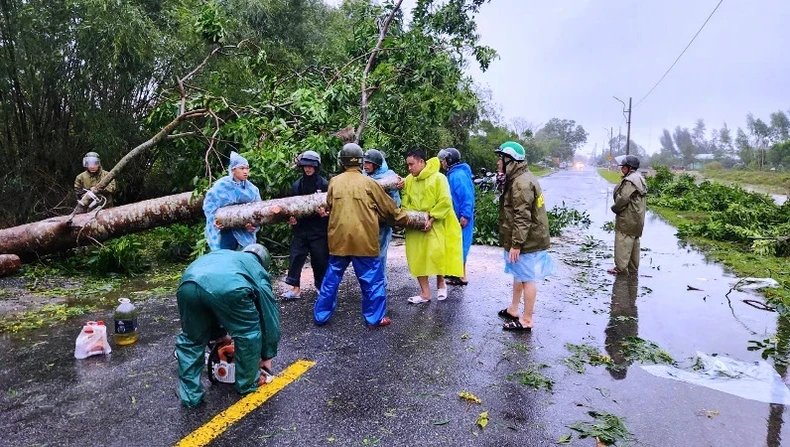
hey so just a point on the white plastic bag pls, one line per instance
(92, 340)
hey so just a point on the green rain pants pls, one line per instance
(626, 252)
(201, 315)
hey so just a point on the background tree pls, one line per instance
(667, 144)
(685, 144)
(562, 137)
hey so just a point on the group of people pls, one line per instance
(228, 293)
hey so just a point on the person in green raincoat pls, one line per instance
(232, 290)
(437, 249)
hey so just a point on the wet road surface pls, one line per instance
(399, 385)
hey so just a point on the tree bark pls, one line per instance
(61, 233)
(9, 264)
(279, 210)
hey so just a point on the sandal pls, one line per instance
(417, 299)
(505, 315)
(290, 295)
(384, 322)
(515, 325)
(441, 294)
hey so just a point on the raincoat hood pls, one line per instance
(462, 167)
(378, 173)
(431, 167)
(638, 181)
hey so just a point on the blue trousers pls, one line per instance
(371, 281)
(385, 236)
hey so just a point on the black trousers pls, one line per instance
(302, 244)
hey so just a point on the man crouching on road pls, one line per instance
(356, 203)
(629, 208)
(232, 290)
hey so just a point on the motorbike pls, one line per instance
(486, 181)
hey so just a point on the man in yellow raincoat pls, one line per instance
(437, 249)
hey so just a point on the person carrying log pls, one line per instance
(437, 248)
(87, 180)
(309, 233)
(354, 204)
(232, 189)
(375, 166)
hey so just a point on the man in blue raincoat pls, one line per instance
(375, 166)
(232, 189)
(230, 290)
(462, 190)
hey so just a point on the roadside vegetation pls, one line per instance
(769, 181)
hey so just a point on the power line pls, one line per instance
(681, 54)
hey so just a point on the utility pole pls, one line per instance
(628, 137)
(628, 120)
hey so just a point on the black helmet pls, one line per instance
(351, 155)
(309, 158)
(631, 161)
(261, 253)
(451, 155)
(374, 156)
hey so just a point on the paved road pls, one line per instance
(398, 386)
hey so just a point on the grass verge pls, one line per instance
(774, 182)
(610, 176)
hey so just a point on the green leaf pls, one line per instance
(564, 439)
(442, 422)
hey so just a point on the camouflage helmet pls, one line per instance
(351, 155)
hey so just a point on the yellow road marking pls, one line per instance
(221, 422)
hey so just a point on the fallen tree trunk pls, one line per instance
(62, 233)
(9, 264)
(279, 210)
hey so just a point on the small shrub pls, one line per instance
(123, 255)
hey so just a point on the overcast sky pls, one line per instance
(567, 58)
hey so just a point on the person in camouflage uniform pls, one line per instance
(91, 177)
(629, 207)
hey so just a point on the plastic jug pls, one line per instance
(125, 322)
(92, 340)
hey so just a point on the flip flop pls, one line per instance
(457, 282)
(515, 325)
(384, 322)
(441, 294)
(505, 315)
(417, 299)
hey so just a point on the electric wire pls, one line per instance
(681, 54)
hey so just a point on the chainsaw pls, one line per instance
(219, 363)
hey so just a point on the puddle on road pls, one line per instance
(679, 301)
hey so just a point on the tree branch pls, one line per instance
(369, 66)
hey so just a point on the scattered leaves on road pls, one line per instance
(532, 378)
(482, 420)
(637, 349)
(586, 354)
(469, 397)
(607, 429)
(564, 439)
